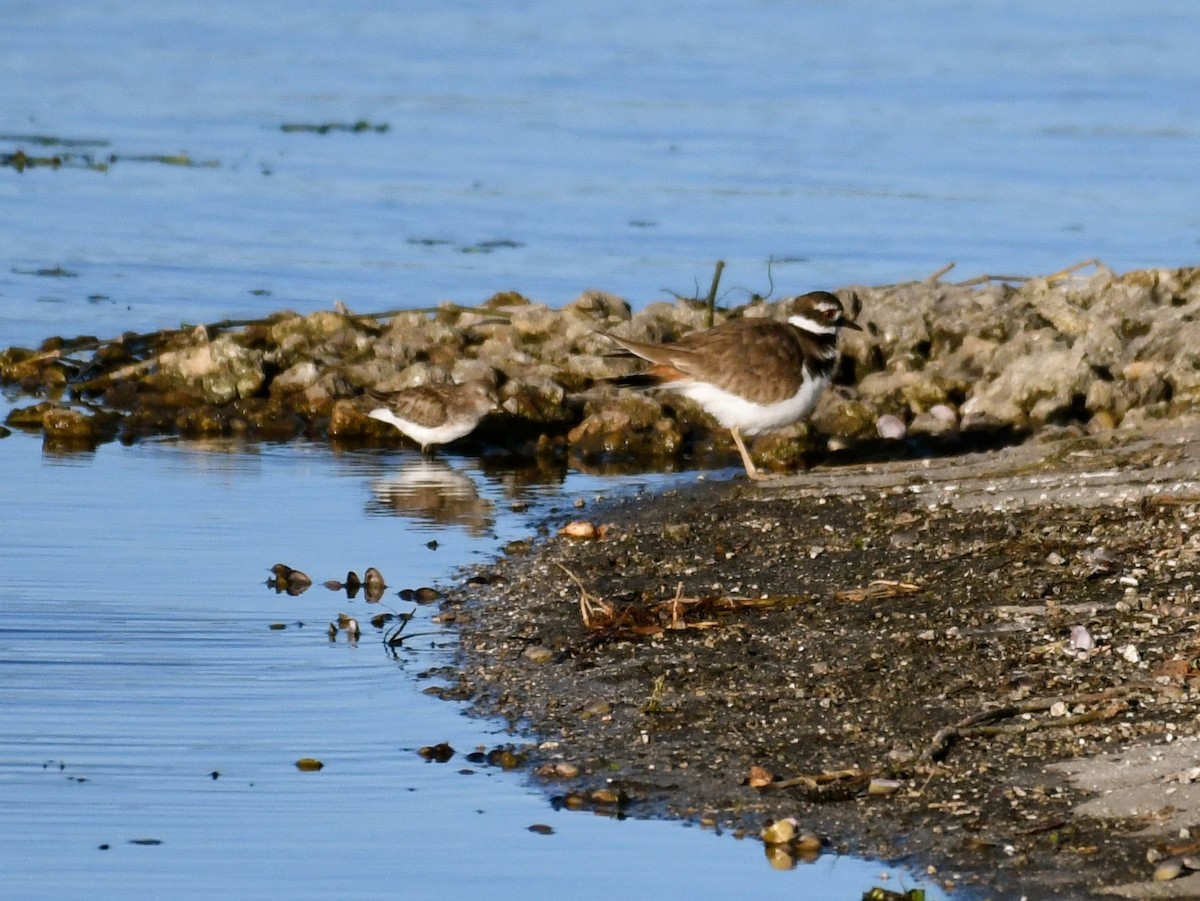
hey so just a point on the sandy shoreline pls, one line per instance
(906, 620)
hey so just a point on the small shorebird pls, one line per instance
(435, 414)
(752, 375)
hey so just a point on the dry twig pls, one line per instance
(591, 607)
(836, 785)
(980, 724)
(933, 279)
(880, 588)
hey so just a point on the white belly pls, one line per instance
(424, 436)
(735, 412)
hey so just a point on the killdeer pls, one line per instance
(435, 414)
(751, 375)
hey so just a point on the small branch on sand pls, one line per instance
(813, 781)
(836, 785)
(592, 608)
(1091, 716)
(878, 589)
(981, 724)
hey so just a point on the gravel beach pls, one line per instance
(982, 663)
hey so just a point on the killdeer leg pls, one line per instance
(751, 469)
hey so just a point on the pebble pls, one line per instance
(537, 654)
(890, 427)
(779, 832)
(579, 529)
(1169, 869)
(1081, 639)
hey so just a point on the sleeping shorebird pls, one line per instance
(751, 375)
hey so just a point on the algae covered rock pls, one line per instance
(629, 425)
(1099, 352)
(65, 424)
(218, 371)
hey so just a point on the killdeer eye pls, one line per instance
(830, 313)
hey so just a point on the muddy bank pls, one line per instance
(947, 660)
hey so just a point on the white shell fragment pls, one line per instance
(1081, 639)
(890, 427)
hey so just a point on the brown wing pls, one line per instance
(424, 404)
(756, 358)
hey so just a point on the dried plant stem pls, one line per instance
(932, 279)
(711, 303)
(980, 723)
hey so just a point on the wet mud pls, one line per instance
(937, 661)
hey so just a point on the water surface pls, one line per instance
(137, 659)
(620, 146)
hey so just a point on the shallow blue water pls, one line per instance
(137, 658)
(541, 147)
(622, 146)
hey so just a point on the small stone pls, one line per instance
(597, 708)
(677, 532)
(759, 777)
(1171, 868)
(538, 654)
(808, 844)
(1101, 421)
(890, 427)
(883, 787)
(1081, 639)
(944, 413)
(779, 832)
(607, 796)
(439, 753)
(1130, 653)
(579, 529)
(553, 771)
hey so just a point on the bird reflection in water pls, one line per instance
(433, 492)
